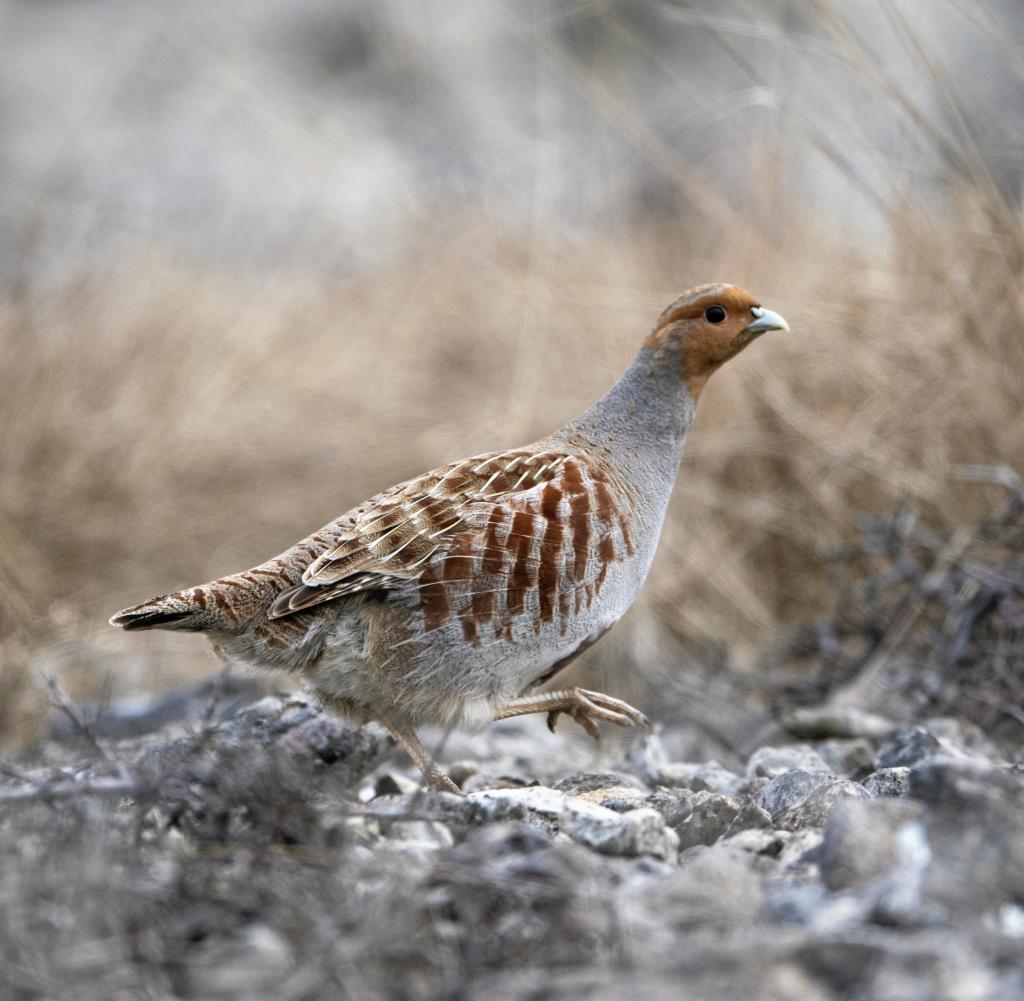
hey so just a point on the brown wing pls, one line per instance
(395, 535)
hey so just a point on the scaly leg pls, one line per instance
(436, 779)
(581, 705)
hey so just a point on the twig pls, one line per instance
(854, 692)
(60, 701)
(64, 789)
(13, 770)
(1003, 475)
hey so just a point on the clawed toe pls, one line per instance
(437, 781)
(583, 707)
(617, 711)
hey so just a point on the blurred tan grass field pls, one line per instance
(172, 414)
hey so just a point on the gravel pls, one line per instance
(281, 853)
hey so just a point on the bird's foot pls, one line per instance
(583, 707)
(437, 781)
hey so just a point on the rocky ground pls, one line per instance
(278, 853)
(860, 837)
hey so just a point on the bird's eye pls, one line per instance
(714, 314)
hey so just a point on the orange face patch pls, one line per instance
(705, 345)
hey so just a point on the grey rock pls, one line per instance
(768, 762)
(675, 805)
(257, 961)
(805, 799)
(461, 771)
(710, 817)
(824, 722)
(618, 798)
(852, 759)
(961, 736)
(638, 832)
(457, 812)
(963, 782)
(356, 750)
(758, 841)
(423, 836)
(790, 789)
(504, 840)
(799, 904)
(799, 853)
(751, 817)
(646, 758)
(908, 746)
(581, 782)
(709, 776)
(898, 897)
(888, 782)
(389, 785)
(860, 840)
(484, 779)
(538, 802)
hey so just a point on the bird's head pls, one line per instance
(709, 325)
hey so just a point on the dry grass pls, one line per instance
(165, 423)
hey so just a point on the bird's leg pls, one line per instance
(581, 705)
(436, 779)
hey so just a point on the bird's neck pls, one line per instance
(640, 424)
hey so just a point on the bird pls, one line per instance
(449, 599)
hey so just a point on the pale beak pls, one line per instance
(765, 319)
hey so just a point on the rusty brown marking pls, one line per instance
(627, 539)
(605, 508)
(228, 582)
(572, 477)
(389, 519)
(222, 603)
(549, 499)
(458, 482)
(481, 606)
(469, 630)
(494, 554)
(433, 601)
(278, 574)
(524, 569)
(288, 625)
(459, 560)
(579, 519)
(551, 552)
(199, 596)
(564, 601)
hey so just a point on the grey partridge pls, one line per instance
(449, 598)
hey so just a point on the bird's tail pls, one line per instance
(170, 611)
(227, 605)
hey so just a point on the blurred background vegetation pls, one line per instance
(260, 259)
